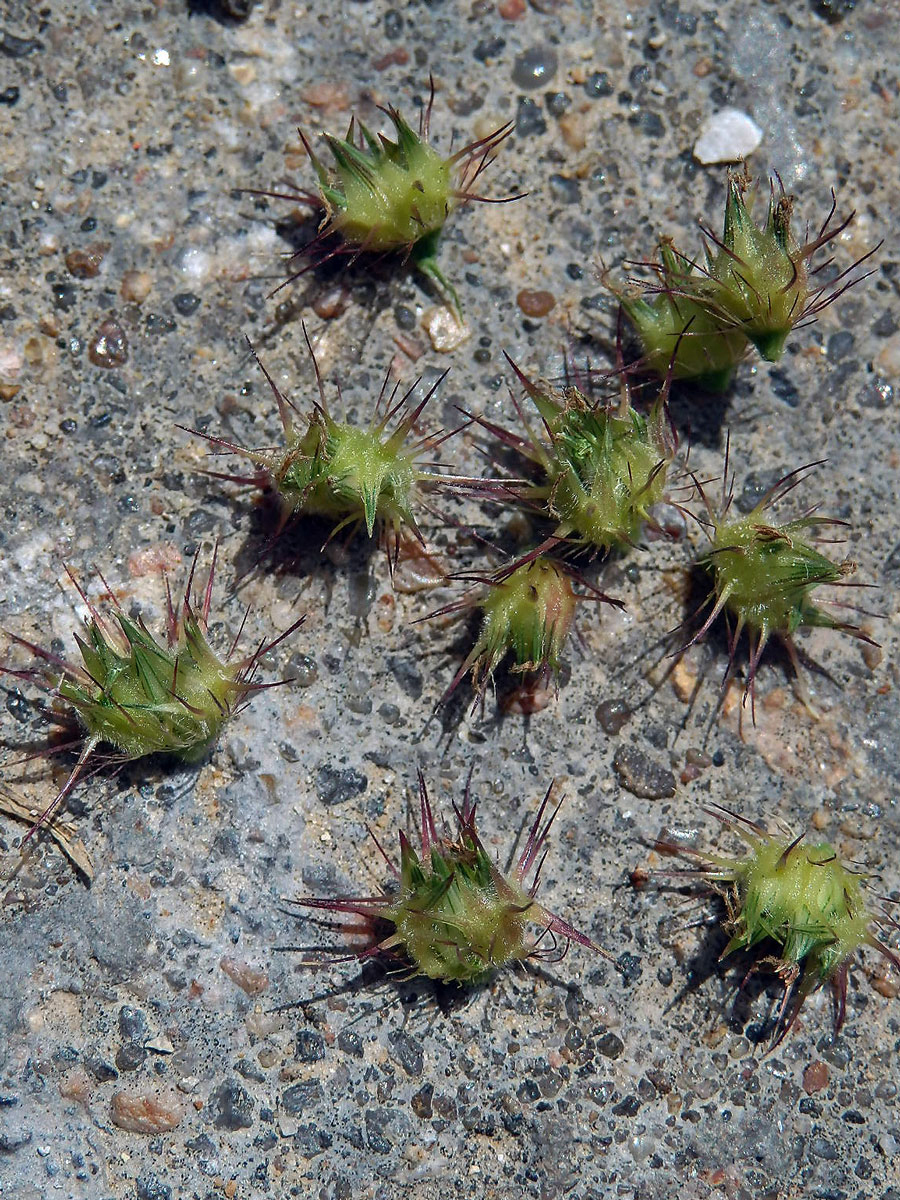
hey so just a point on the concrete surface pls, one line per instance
(131, 127)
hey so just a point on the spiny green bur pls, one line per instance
(602, 468)
(386, 196)
(760, 273)
(798, 895)
(696, 320)
(456, 916)
(679, 327)
(526, 610)
(352, 474)
(367, 476)
(764, 575)
(146, 697)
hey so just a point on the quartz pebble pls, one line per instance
(443, 329)
(136, 286)
(727, 136)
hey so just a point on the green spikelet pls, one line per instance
(762, 276)
(798, 896)
(142, 695)
(368, 476)
(526, 610)
(598, 470)
(455, 915)
(760, 273)
(754, 286)
(680, 327)
(764, 574)
(387, 195)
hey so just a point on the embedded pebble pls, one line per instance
(85, 264)
(334, 786)
(136, 286)
(535, 304)
(641, 776)
(888, 360)
(727, 136)
(146, 1112)
(109, 346)
(331, 302)
(444, 329)
(815, 1077)
(249, 979)
(534, 67)
(613, 715)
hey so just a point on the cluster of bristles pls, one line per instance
(450, 914)
(589, 474)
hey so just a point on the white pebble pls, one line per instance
(194, 263)
(726, 136)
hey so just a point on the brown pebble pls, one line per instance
(872, 655)
(136, 286)
(528, 697)
(75, 1085)
(535, 304)
(331, 303)
(511, 10)
(326, 95)
(146, 1112)
(249, 979)
(574, 131)
(399, 56)
(85, 264)
(417, 569)
(613, 715)
(886, 982)
(639, 878)
(158, 558)
(109, 346)
(9, 390)
(815, 1077)
(642, 775)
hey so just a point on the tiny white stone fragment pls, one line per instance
(727, 136)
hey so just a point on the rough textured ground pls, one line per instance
(126, 130)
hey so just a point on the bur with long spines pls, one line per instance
(795, 895)
(764, 573)
(594, 470)
(681, 332)
(140, 694)
(394, 196)
(454, 915)
(526, 611)
(696, 318)
(372, 477)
